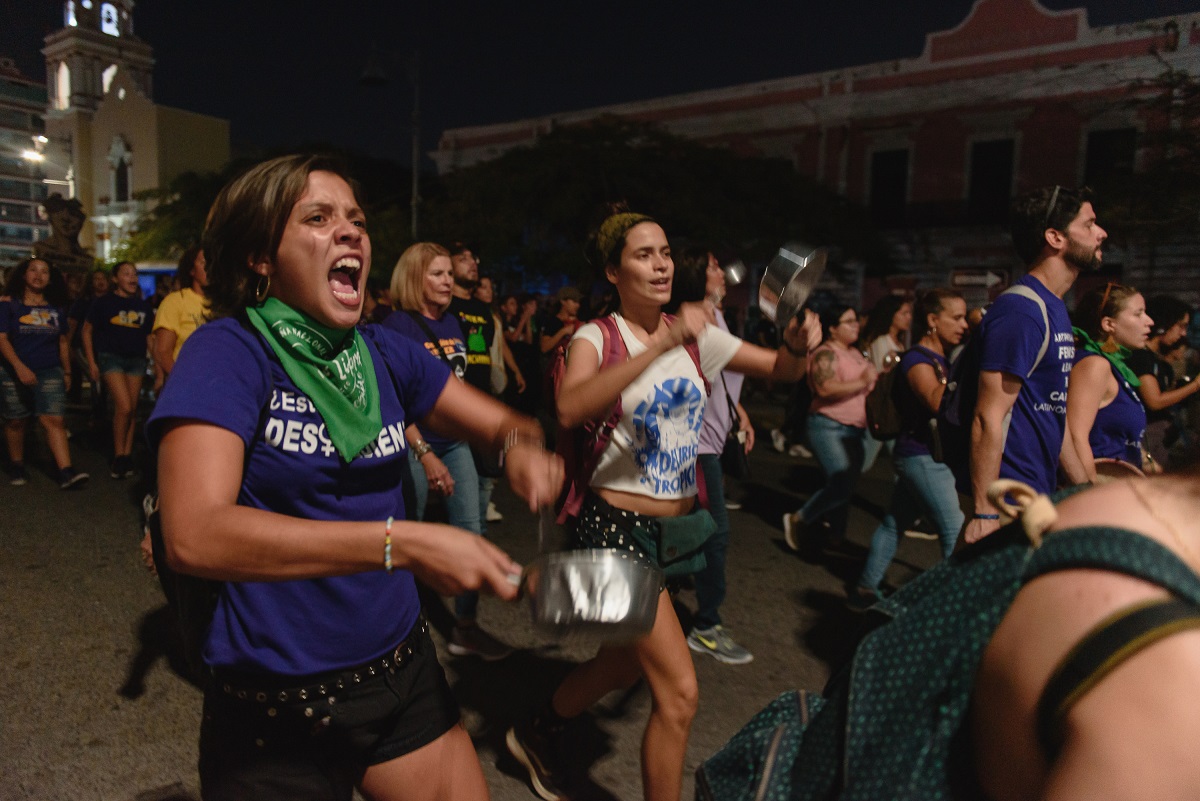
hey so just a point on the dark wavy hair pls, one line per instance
(931, 301)
(187, 263)
(691, 276)
(879, 321)
(1034, 213)
(56, 290)
(831, 315)
(246, 223)
(1165, 311)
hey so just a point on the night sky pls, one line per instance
(288, 72)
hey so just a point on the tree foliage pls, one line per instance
(175, 214)
(535, 204)
(1160, 200)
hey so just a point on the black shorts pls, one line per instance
(255, 746)
(602, 525)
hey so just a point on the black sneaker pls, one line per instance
(538, 754)
(18, 476)
(130, 467)
(117, 468)
(68, 479)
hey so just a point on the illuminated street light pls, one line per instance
(32, 155)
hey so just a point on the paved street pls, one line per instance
(91, 707)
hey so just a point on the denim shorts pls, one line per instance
(116, 363)
(319, 748)
(46, 398)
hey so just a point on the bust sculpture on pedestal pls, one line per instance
(62, 248)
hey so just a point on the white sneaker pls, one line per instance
(791, 530)
(493, 514)
(800, 451)
(733, 506)
(918, 534)
(778, 440)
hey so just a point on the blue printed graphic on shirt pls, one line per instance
(667, 435)
(227, 376)
(1012, 333)
(33, 332)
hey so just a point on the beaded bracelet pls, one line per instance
(986, 516)
(387, 546)
(514, 436)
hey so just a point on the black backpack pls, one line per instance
(952, 424)
(883, 418)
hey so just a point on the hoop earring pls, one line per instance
(260, 292)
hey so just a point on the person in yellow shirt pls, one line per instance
(180, 313)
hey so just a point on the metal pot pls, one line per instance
(789, 280)
(600, 594)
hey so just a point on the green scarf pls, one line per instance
(1118, 358)
(332, 366)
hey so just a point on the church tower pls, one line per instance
(96, 42)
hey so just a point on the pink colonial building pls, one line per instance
(1014, 97)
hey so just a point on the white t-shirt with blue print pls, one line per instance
(653, 449)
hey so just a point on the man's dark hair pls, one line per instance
(1033, 213)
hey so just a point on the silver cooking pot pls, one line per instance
(789, 280)
(601, 594)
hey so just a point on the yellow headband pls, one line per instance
(614, 228)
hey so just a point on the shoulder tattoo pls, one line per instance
(823, 367)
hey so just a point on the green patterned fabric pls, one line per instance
(893, 722)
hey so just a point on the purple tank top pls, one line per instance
(1119, 427)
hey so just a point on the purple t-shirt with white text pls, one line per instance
(1012, 333)
(228, 376)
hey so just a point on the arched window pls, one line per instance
(62, 87)
(120, 159)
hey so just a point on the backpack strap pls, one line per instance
(581, 448)
(1108, 645)
(1030, 294)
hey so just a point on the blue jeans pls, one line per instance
(46, 398)
(710, 582)
(839, 450)
(462, 507)
(922, 485)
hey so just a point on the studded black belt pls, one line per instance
(247, 688)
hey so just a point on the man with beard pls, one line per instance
(1055, 233)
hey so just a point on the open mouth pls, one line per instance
(343, 279)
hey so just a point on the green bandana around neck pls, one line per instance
(1118, 358)
(331, 366)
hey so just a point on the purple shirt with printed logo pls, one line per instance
(228, 376)
(1012, 332)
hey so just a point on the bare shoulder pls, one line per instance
(1093, 368)
(1047, 618)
